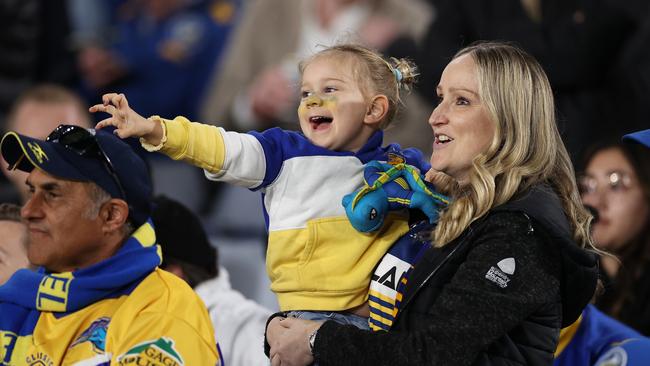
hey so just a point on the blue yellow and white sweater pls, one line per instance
(316, 260)
(120, 311)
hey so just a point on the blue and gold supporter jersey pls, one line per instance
(597, 339)
(315, 259)
(159, 322)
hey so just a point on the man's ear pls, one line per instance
(114, 212)
(377, 110)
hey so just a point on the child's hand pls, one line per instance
(127, 122)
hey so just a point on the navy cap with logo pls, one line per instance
(642, 137)
(86, 155)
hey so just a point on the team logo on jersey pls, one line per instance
(500, 274)
(614, 357)
(95, 334)
(39, 359)
(159, 352)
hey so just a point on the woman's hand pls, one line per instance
(289, 341)
(127, 122)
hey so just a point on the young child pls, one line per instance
(316, 260)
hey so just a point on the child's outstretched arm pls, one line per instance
(128, 123)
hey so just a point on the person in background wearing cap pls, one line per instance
(98, 296)
(35, 113)
(188, 254)
(616, 183)
(642, 137)
(599, 340)
(613, 185)
(13, 251)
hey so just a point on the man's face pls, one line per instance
(38, 119)
(63, 231)
(13, 255)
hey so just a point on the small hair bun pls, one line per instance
(405, 71)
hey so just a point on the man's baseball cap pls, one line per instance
(86, 155)
(642, 137)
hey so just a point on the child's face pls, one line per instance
(332, 106)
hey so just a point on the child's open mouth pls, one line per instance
(320, 122)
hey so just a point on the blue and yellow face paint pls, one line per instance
(328, 102)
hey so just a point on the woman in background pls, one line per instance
(616, 184)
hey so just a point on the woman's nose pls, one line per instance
(596, 199)
(438, 116)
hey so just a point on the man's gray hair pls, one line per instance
(98, 196)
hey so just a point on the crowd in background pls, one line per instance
(234, 63)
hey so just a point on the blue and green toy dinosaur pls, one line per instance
(390, 187)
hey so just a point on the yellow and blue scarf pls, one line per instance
(28, 293)
(391, 275)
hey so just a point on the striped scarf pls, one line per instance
(391, 275)
(28, 293)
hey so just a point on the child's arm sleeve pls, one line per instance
(231, 157)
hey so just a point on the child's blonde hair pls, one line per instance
(374, 73)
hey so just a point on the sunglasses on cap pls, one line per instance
(84, 143)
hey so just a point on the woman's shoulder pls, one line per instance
(543, 208)
(512, 229)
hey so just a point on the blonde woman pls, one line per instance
(509, 262)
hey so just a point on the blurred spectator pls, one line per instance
(257, 84)
(616, 183)
(33, 47)
(188, 254)
(13, 241)
(596, 339)
(579, 44)
(36, 113)
(162, 52)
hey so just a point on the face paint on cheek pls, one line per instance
(302, 109)
(329, 102)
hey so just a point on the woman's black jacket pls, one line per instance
(497, 295)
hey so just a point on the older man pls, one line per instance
(98, 296)
(13, 253)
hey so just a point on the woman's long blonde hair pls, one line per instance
(526, 149)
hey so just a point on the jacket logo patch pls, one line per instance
(507, 265)
(499, 274)
(152, 353)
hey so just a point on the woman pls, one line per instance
(616, 184)
(507, 267)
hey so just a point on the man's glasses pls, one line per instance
(615, 181)
(84, 143)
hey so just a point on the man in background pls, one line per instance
(35, 113)
(13, 241)
(187, 252)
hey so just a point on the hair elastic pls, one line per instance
(398, 74)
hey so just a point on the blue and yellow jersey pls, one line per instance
(316, 260)
(160, 322)
(597, 339)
